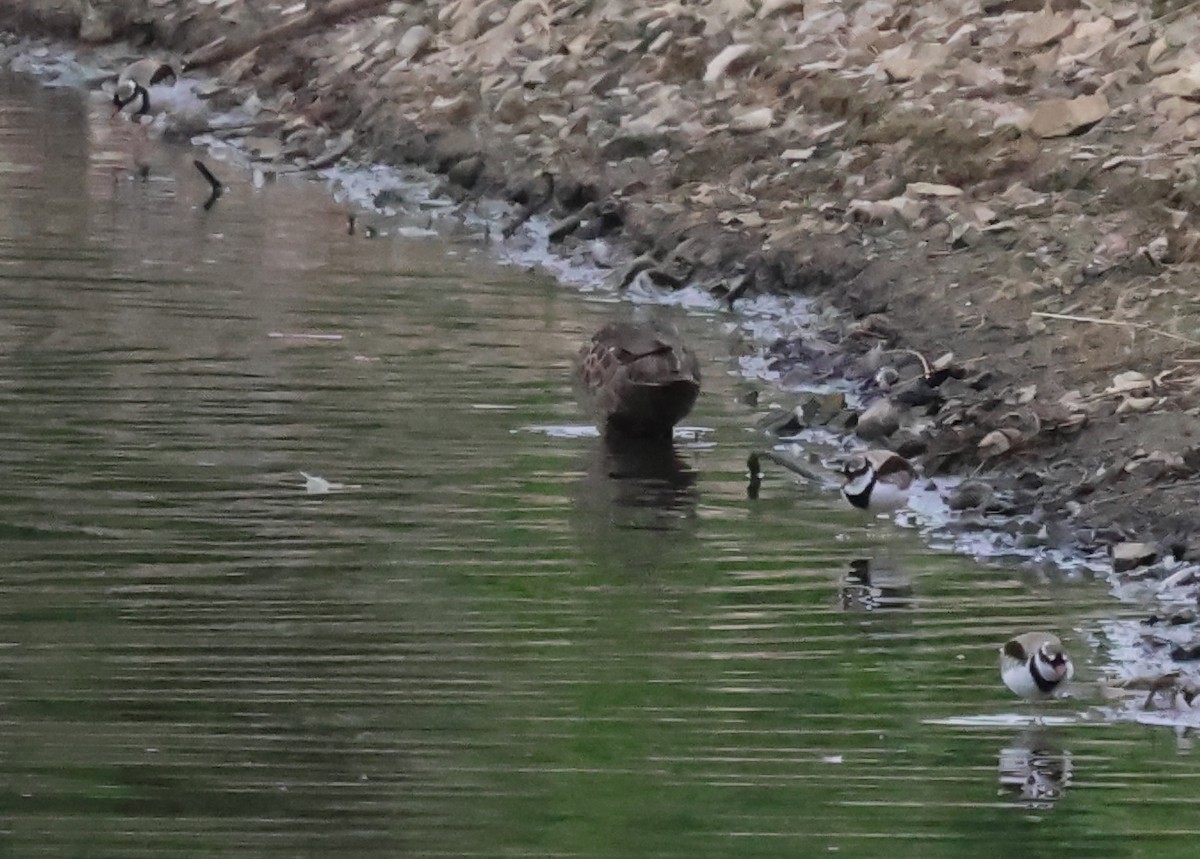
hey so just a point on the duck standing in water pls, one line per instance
(877, 481)
(134, 82)
(638, 379)
(1035, 665)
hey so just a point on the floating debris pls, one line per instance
(297, 335)
(216, 189)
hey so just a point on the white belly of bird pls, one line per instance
(887, 498)
(1020, 680)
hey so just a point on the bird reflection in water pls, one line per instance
(1034, 770)
(643, 483)
(872, 585)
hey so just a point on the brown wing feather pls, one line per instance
(147, 72)
(162, 73)
(1014, 650)
(892, 467)
(632, 340)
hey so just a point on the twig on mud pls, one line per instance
(1144, 491)
(1125, 496)
(1168, 17)
(919, 357)
(1140, 326)
(330, 156)
(1178, 484)
(222, 49)
(214, 184)
(238, 128)
(538, 198)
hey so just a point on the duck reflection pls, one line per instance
(1035, 770)
(639, 483)
(872, 585)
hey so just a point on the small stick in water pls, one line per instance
(753, 462)
(754, 467)
(352, 227)
(213, 182)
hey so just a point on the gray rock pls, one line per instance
(413, 42)
(886, 378)
(880, 420)
(511, 107)
(636, 267)
(1127, 556)
(813, 410)
(466, 172)
(820, 409)
(908, 444)
(563, 228)
(625, 146)
(970, 495)
(915, 392)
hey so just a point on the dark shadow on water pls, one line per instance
(635, 509)
(639, 484)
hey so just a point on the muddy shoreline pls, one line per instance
(1012, 300)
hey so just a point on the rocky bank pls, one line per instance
(994, 200)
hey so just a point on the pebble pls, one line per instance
(970, 494)
(1129, 555)
(878, 421)
(466, 173)
(413, 42)
(759, 119)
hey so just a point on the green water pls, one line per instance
(494, 639)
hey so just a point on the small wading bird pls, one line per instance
(877, 481)
(638, 379)
(175, 113)
(1035, 666)
(134, 82)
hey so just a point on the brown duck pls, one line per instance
(638, 378)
